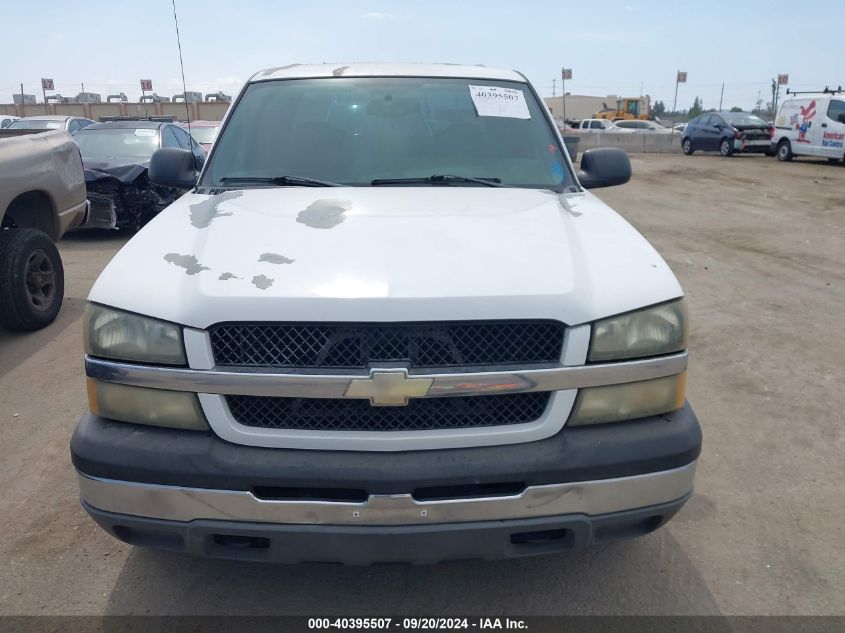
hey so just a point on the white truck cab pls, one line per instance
(389, 322)
(599, 125)
(811, 124)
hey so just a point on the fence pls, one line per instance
(206, 110)
(631, 142)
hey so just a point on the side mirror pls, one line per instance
(173, 167)
(604, 167)
(841, 117)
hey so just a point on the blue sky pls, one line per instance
(613, 47)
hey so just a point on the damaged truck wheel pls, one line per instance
(34, 279)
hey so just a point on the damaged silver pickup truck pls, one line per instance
(42, 195)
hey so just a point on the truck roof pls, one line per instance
(49, 117)
(378, 69)
(134, 124)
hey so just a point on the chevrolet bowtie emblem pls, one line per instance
(388, 388)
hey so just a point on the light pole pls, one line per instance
(565, 73)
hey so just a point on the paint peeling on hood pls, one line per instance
(262, 281)
(338, 72)
(566, 201)
(188, 262)
(271, 71)
(403, 254)
(202, 213)
(228, 276)
(324, 214)
(275, 258)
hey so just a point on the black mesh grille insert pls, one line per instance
(423, 414)
(354, 345)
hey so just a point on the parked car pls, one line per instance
(811, 124)
(69, 124)
(116, 155)
(6, 120)
(727, 133)
(42, 195)
(600, 125)
(643, 127)
(366, 336)
(204, 132)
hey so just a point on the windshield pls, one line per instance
(204, 134)
(140, 143)
(36, 124)
(355, 130)
(742, 118)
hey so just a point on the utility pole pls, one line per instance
(721, 96)
(22, 101)
(554, 87)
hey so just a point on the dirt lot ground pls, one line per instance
(759, 247)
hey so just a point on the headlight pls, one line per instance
(156, 407)
(613, 403)
(120, 335)
(661, 329)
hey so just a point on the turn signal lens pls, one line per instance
(614, 403)
(155, 407)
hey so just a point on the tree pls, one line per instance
(736, 109)
(658, 109)
(697, 108)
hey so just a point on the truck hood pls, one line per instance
(385, 254)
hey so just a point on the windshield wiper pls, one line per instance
(281, 181)
(439, 179)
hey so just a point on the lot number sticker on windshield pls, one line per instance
(501, 102)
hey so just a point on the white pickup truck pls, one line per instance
(388, 323)
(600, 125)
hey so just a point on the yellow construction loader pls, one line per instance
(629, 108)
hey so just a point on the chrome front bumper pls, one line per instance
(591, 498)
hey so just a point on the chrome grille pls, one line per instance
(423, 414)
(355, 345)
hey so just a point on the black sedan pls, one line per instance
(727, 133)
(115, 155)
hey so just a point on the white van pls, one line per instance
(811, 124)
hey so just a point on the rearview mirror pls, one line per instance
(604, 167)
(841, 117)
(173, 167)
